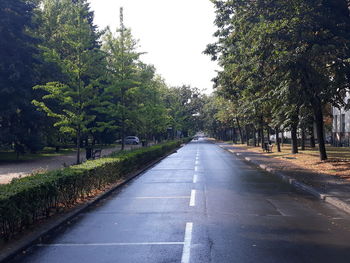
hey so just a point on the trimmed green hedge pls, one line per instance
(26, 200)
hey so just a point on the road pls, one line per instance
(202, 204)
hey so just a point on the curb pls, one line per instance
(53, 226)
(345, 207)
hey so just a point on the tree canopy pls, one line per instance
(63, 81)
(278, 56)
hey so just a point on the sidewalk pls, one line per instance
(9, 171)
(333, 190)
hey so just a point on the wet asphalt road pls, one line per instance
(201, 204)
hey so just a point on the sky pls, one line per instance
(173, 33)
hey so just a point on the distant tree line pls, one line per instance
(284, 64)
(64, 81)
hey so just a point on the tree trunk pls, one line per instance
(282, 137)
(254, 136)
(240, 130)
(262, 132)
(312, 137)
(234, 136)
(318, 114)
(278, 140)
(294, 130)
(247, 134)
(303, 139)
(234, 139)
(320, 130)
(123, 134)
(78, 146)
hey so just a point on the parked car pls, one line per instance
(132, 140)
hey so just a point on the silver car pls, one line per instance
(132, 140)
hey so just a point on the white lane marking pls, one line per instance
(186, 252)
(196, 168)
(197, 162)
(163, 197)
(112, 244)
(195, 178)
(193, 198)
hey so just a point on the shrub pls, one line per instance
(26, 200)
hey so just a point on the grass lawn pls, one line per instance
(338, 162)
(10, 156)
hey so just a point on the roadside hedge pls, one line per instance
(25, 201)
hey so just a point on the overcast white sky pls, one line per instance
(173, 33)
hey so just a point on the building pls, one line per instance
(341, 126)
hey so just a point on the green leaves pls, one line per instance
(71, 43)
(83, 90)
(278, 56)
(18, 64)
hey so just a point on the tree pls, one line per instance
(19, 121)
(150, 111)
(184, 105)
(75, 51)
(297, 49)
(122, 64)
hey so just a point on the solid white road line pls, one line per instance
(186, 252)
(163, 197)
(193, 198)
(112, 244)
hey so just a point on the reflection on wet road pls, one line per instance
(201, 204)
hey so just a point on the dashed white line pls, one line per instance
(186, 252)
(196, 168)
(195, 178)
(193, 198)
(163, 197)
(197, 162)
(112, 244)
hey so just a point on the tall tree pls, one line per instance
(18, 119)
(184, 105)
(150, 109)
(76, 52)
(285, 47)
(122, 64)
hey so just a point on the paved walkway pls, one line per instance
(8, 171)
(332, 189)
